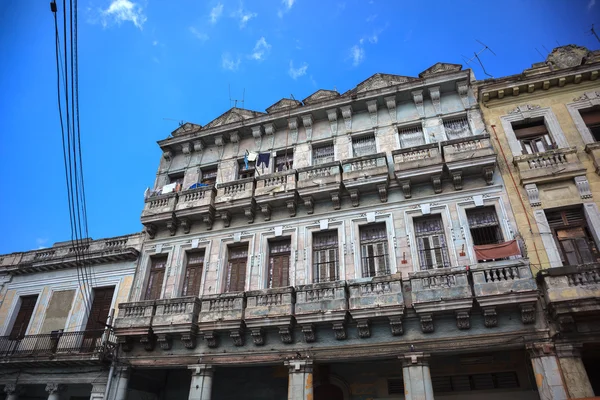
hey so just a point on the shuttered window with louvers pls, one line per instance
(431, 243)
(235, 273)
(193, 274)
(279, 264)
(374, 250)
(325, 256)
(155, 280)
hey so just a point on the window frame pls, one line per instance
(316, 147)
(403, 130)
(373, 260)
(455, 118)
(241, 169)
(430, 235)
(281, 254)
(363, 136)
(587, 235)
(210, 168)
(328, 249)
(226, 288)
(581, 103)
(198, 266)
(149, 278)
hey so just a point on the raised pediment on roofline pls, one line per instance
(283, 104)
(440, 68)
(232, 116)
(188, 127)
(321, 95)
(379, 81)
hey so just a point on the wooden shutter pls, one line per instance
(236, 271)
(100, 308)
(155, 280)
(23, 317)
(193, 274)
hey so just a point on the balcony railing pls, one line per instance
(366, 173)
(164, 203)
(320, 182)
(98, 343)
(418, 164)
(198, 197)
(552, 165)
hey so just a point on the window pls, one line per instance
(325, 256)
(96, 322)
(463, 383)
(533, 136)
(457, 128)
(591, 118)
(193, 274)
(323, 154)
(431, 243)
(395, 385)
(279, 264)
(235, 274)
(411, 137)
(23, 317)
(374, 250)
(246, 170)
(364, 146)
(155, 280)
(178, 180)
(484, 226)
(572, 235)
(209, 176)
(284, 162)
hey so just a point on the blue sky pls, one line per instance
(146, 64)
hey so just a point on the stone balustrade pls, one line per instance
(135, 320)
(270, 308)
(417, 165)
(274, 190)
(197, 197)
(161, 204)
(319, 303)
(552, 165)
(222, 312)
(365, 174)
(177, 316)
(473, 155)
(320, 182)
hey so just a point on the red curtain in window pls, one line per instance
(494, 251)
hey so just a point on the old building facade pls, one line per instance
(349, 246)
(546, 126)
(53, 343)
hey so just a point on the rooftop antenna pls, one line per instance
(547, 51)
(180, 122)
(539, 52)
(235, 101)
(476, 57)
(593, 32)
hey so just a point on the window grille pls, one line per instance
(235, 277)
(484, 226)
(457, 128)
(193, 274)
(374, 250)
(533, 136)
(284, 162)
(364, 146)
(325, 256)
(209, 176)
(411, 137)
(323, 154)
(431, 243)
(279, 263)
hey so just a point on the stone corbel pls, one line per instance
(436, 180)
(309, 203)
(309, 333)
(147, 341)
(226, 217)
(198, 145)
(372, 107)
(332, 117)
(164, 341)
(457, 180)
(188, 340)
(339, 330)
(186, 224)
(527, 313)
(219, 140)
(293, 128)
(396, 326)
(12, 389)
(167, 155)
(566, 323)
(172, 225)
(463, 320)
(307, 121)
(354, 197)
(390, 103)
(151, 230)
(490, 317)
(249, 213)
(208, 219)
(266, 210)
(287, 334)
(54, 388)
(258, 336)
(383, 192)
(291, 206)
(417, 96)
(186, 148)
(426, 323)
(126, 343)
(237, 336)
(335, 199)
(533, 195)
(462, 88)
(269, 129)
(405, 185)
(347, 114)
(434, 93)
(488, 175)
(257, 132)
(364, 328)
(583, 186)
(211, 339)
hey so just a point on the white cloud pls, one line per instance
(260, 49)
(591, 4)
(227, 62)
(123, 10)
(357, 53)
(41, 243)
(295, 73)
(215, 13)
(203, 37)
(287, 6)
(244, 16)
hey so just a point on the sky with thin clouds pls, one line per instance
(145, 65)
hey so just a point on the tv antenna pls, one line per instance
(593, 32)
(180, 122)
(235, 101)
(476, 57)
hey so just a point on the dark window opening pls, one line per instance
(279, 264)
(484, 226)
(323, 154)
(325, 256)
(23, 317)
(374, 250)
(235, 275)
(176, 179)
(591, 118)
(284, 162)
(431, 243)
(464, 383)
(97, 319)
(395, 385)
(209, 176)
(193, 274)
(155, 280)
(575, 242)
(533, 136)
(364, 146)
(246, 169)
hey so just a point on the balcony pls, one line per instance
(59, 347)
(196, 205)
(374, 298)
(366, 174)
(440, 291)
(270, 308)
(470, 156)
(593, 149)
(158, 210)
(222, 312)
(235, 195)
(135, 321)
(275, 190)
(418, 164)
(322, 303)
(319, 182)
(176, 317)
(505, 284)
(572, 293)
(550, 166)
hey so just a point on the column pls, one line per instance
(54, 390)
(202, 377)
(300, 382)
(122, 382)
(12, 391)
(417, 379)
(98, 390)
(574, 373)
(548, 376)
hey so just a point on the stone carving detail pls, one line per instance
(282, 105)
(186, 148)
(347, 114)
(249, 213)
(320, 95)
(291, 206)
(211, 338)
(566, 323)
(307, 121)
(354, 196)
(237, 336)
(126, 343)
(198, 145)
(269, 129)
(151, 230)
(266, 210)
(462, 88)
(309, 203)
(148, 342)
(533, 195)
(439, 68)
(378, 81)
(188, 340)
(488, 175)
(335, 199)
(339, 330)
(583, 186)
(293, 128)
(567, 56)
(434, 93)
(287, 334)
(406, 189)
(186, 224)
(437, 183)
(332, 117)
(390, 103)
(167, 155)
(172, 225)
(527, 313)
(457, 180)
(490, 317)
(208, 219)
(426, 323)
(463, 320)
(364, 330)
(258, 336)
(54, 388)
(257, 132)
(396, 326)
(418, 99)
(164, 341)
(587, 96)
(12, 389)
(309, 333)
(219, 140)
(372, 107)
(383, 193)
(524, 109)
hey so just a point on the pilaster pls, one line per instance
(201, 384)
(300, 383)
(417, 378)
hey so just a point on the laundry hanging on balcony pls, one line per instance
(496, 251)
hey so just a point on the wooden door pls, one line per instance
(23, 317)
(155, 281)
(97, 318)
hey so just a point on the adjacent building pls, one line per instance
(55, 336)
